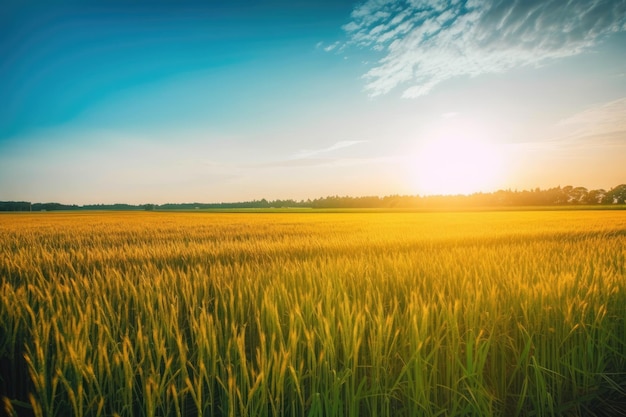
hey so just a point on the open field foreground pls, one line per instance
(313, 314)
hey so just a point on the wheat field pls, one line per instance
(481, 313)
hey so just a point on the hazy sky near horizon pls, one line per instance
(210, 101)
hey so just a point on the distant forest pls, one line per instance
(558, 196)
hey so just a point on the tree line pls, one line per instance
(557, 196)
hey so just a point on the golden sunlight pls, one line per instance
(457, 163)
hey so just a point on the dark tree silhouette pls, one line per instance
(555, 196)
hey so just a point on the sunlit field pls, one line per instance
(313, 314)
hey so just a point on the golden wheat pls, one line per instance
(313, 314)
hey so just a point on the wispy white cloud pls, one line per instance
(335, 46)
(449, 115)
(331, 46)
(306, 153)
(426, 42)
(600, 125)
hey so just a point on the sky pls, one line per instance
(219, 101)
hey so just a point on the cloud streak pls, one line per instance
(601, 125)
(425, 42)
(305, 153)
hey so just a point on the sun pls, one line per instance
(457, 163)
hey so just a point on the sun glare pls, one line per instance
(457, 163)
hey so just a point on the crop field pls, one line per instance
(147, 314)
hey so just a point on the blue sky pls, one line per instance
(226, 101)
